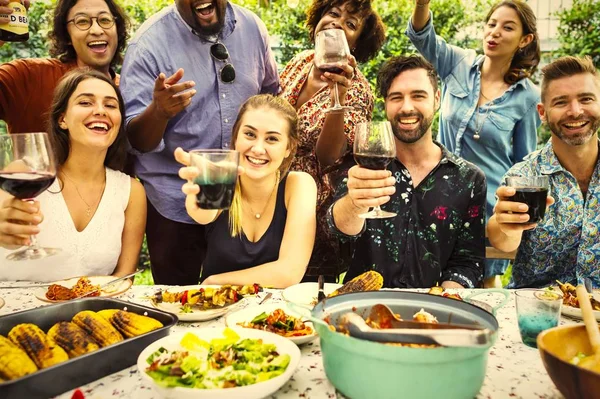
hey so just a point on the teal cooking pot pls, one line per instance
(362, 369)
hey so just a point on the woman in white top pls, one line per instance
(93, 212)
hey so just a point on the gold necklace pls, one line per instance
(258, 215)
(88, 211)
(479, 123)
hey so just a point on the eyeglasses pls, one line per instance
(219, 52)
(84, 22)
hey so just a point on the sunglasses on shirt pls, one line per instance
(219, 52)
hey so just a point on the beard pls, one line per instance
(411, 136)
(214, 28)
(578, 138)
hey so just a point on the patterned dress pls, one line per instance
(311, 117)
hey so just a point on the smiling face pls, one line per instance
(410, 105)
(262, 141)
(571, 108)
(96, 46)
(503, 34)
(204, 16)
(339, 17)
(93, 117)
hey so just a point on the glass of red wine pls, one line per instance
(374, 148)
(217, 175)
(533, 191)
(331, 48)
(27, 168)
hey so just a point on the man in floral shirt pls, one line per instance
(437, 236)
(564, 245)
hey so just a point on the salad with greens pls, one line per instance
(221, 363)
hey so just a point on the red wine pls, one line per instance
(215, 196)
(25, 185)
(331, 68)
(535, 198)
(372, 162)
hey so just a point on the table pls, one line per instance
(514, 370)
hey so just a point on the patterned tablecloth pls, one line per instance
(513, 371)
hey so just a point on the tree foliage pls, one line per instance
(579, 32)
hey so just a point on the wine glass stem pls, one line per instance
(377, 210)
(33, 244)
(336, 96)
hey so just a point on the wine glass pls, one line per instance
(331, 48)
(27, 168)
(374, 148)
(218, 172)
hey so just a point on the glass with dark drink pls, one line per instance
(218, 171)
(331, 49)
(27, 169)
(532, 191)
(374, 148)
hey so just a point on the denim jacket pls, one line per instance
(508, 125)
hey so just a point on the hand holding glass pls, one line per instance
(331, 48)
(374, 148)
(27, 168)
(218, 171)
(533, 191)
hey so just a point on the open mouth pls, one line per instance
(98, 127)
(575, 125)
(204, 9)
(98, 46)
(408, 123)
(256, 161)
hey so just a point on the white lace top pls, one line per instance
(91, 252)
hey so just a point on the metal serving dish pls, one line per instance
(84, 369)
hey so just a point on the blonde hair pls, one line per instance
(288, 113)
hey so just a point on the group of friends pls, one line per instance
(200, 74)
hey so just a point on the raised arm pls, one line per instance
(133, 230)
(420, 14)
(296, 246)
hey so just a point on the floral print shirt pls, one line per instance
(437, 235)
(565, 245)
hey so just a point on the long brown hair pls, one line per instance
(267, 102)
(60, 138)
(525, 60)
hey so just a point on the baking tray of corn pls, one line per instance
(52, 349)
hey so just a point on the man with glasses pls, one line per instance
(86, 33)
(186, 73)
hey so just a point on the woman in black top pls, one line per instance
(267, 235)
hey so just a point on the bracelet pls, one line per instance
(422, 4)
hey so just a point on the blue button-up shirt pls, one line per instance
(565, 246)
(165, 43)
(509, 124)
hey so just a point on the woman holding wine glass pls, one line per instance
(488, 113)
(93, 214)
(313, 82)
(267, 234)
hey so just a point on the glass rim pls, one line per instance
(522, 293)
(23, 134)
(212, 151)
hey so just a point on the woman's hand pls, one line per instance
(18, 220)
(344, 80)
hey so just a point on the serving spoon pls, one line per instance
(591, 325)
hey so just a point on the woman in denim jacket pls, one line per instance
(488, 110)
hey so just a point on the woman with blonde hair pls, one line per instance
(268, 233)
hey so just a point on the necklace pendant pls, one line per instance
(476, 136)
(257, 216)
(88, 212)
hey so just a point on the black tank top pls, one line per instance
(227, 254)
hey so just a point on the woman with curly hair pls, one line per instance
(488, 112)
(326, 137)
(85, 33)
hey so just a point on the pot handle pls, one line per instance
(305, 311)
(504, 292)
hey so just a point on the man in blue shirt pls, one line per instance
(564, 245)
(223, 52)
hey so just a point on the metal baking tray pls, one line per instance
(84, 369)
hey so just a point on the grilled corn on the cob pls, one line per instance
(99, 328)
(14, 362)
(130, 324)
(72, 339)
(40, 348)
(368, 281)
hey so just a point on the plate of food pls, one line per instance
(72, 288)
(219, 363)
(306, 293)
(570, 305)
(202, 302)
(275, 318)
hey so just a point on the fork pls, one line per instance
(321, 284)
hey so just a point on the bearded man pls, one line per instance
(437, 235)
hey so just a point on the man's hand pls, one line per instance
(368, 188)
(170, 97)
(512, 216)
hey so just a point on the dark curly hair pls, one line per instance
(372, 36)
(61, 139)
(61, 46)
(525, 60)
